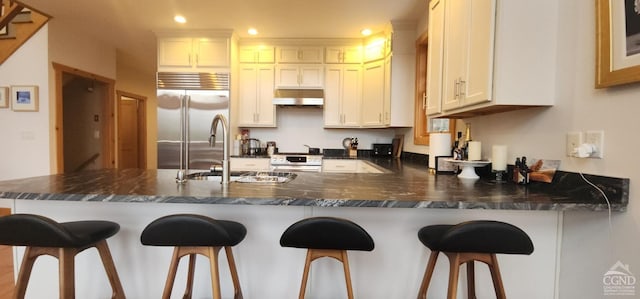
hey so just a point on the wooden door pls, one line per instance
(131, 131)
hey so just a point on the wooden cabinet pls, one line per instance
(299, 76)
(342, 96)
(373, 93)
(485, 68)
(433, 97)
(256, 54)
(299, 55)
(343, 54)
(250, 164)
(189, 54)
(256, 96)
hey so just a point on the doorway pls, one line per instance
(84, 120)
(132, 128)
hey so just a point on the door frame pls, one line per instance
(142, 126)
(108, 125)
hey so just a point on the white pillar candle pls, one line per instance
(439, 145)
(499, 157)
(475, 151)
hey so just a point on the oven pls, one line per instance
(296, 162)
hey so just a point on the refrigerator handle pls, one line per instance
(187, 102)
(182, 98)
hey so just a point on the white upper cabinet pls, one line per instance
(434, 57)
(256, 96)
(342, 96)
(343, 54)
(256, 54)
(373, 93)
(299, 76)
(486, 65)
(299, 55)
(192, 54)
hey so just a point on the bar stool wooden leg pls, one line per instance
(188, 291)
(25, 272)
(237, 291)
(215, 274)
(497, 279)
(454, 271)
(347, 273)
(66, 271)
(305, 273)
(171, 276)
(428, 273)
(110, 269)
(471, 282)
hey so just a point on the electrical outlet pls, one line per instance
(574, 139)
(597, 139)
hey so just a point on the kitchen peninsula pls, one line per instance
(133, 198)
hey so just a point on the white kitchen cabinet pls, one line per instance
(468, 52)
(256, 54)
(299, 76)
(339, 165)
(373, 83)
(433, 98)
(375, 50)
(250, 164)
(256, 96)
(343, 54)
(189, 54)
(299, 55)
(342, 96)
(485, 68)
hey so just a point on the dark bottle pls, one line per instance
(524, 172)
(516, 171)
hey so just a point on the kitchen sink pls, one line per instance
(255, 177)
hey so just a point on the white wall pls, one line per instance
(304, 125)
(25, 135)
(589, 246)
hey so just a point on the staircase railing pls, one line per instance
(88, 162)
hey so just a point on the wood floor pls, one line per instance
(6, 266)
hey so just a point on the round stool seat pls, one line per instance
(40, 231)
(192, 230)
(327, 233)
(483, 236)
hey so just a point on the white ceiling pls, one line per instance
(129, 24)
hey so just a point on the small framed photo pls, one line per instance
(444, 167)
(4, 97)
(24, 98)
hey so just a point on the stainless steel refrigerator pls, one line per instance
(187, 103)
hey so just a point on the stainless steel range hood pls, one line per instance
(298, 97)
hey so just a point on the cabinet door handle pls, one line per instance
(299, 54)
(463, 87)
(189, 59)
(424, 100)
(457, 89)
(197, 59)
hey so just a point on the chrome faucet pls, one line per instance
(225, 144)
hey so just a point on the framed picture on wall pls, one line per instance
(617, 42)
(24, 98)
(4, 97)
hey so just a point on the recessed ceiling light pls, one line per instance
(366, 32)
(180, 19)
(252, 31)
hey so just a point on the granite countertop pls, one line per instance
(407, 185)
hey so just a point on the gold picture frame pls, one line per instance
(4, 97)
(24, 98)
(606, 75)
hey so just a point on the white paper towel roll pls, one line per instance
(475, 151)
(439, 145)
(499, 157)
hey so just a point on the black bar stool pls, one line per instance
(196, 234)
(472, 241)
(44, 236)
(326, 237)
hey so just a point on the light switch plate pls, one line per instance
(597, 139)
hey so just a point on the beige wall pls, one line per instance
(142, 83)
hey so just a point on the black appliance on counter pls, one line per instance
(382, 150)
